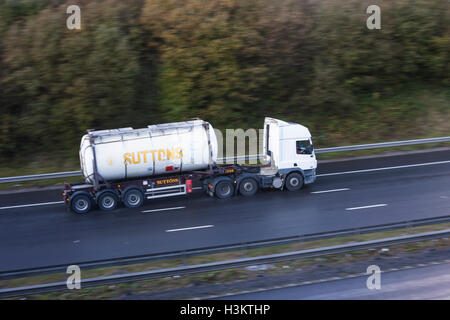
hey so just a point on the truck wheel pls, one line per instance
(224, 189)
(294, 181)
(248, 187)
(81, 204)
(133, 198)
(107, 201)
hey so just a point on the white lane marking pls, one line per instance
(190, 228)
(333, 190)
(163, 209)
(385, 168)
(32, 205)
(367, 207)
(197, 188)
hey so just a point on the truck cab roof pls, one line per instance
(289, 130)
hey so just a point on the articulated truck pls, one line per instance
(130, 165)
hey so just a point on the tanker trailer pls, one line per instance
(121, 154)
(130, 165)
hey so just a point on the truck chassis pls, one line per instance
(224, 181)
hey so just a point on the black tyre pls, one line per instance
(133, 198)
(294, 181)
(107, 201)
(248, 187)
(81, 204)
(224, 189)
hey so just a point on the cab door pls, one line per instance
(304, 154)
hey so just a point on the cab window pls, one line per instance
(304, 147)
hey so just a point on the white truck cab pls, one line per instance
(288, 146)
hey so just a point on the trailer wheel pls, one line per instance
(133, 198)
(294, 181)
(107, 201)
(81, 204)
(248, 187)
(224, 189)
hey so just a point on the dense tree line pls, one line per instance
(231, 62)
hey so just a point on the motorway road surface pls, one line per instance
(431, 282)
(35, 229)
